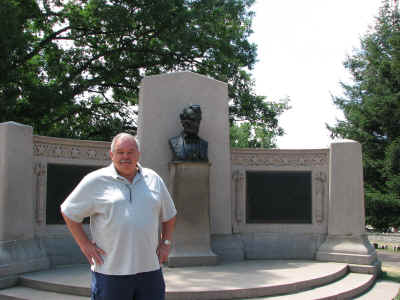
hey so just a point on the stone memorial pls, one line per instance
(162, 99)
(189, 184)
(233, 204)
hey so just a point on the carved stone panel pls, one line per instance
(70, 149)
(40, 185)
(321, 190)
(279, 158)
(313, 162)
(238, 177)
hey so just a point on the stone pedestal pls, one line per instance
(19, 250)
(189, 187)
(346, 240)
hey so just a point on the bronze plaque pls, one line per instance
(61, 180)
(279, 197)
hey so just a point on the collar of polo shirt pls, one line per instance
(117, 176)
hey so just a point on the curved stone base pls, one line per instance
(351, 250)
(247, 279)
(21, 256)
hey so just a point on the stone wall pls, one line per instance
(314, 161)
(253, 241)
(273, 241)
(56, 239)
(247, 241)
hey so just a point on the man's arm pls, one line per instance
(166, 234)
(88, 248)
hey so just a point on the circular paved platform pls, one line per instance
(225, 281)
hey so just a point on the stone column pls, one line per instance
(19, 251)
(346, 240)
(190, 189)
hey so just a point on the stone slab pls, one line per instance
(20, 251)
(346, 288)
(26, 293)
(224, 281)
(204, 259)
(161, 100)
(381, 290)
(16, 184)
(346, 240)
(346, 189)
(189, 187)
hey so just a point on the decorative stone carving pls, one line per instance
(91, 154)
(58, 151)
(40, 172)
(273, 158)
(75, 152)
(39, 149)
(320, 192)
(238, 184)
(70, 149)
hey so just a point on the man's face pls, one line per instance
(191, 125)
(125, 157)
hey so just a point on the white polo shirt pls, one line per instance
(124, 217)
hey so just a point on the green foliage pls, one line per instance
(371, 106)
(246, 136)
(72, 68)
(383, 210)
(257, 135)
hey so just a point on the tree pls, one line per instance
(257, 135)
(72, 68)
(371, 106)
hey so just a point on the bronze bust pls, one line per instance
(188, 146)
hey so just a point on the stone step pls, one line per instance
(239, 280)
(226, 281)
(348, 287)
(345, 288)
(26, 293)
(382, 289)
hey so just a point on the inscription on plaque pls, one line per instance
(278, 197)
(61, 180)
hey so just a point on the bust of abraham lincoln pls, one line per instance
(188, 146)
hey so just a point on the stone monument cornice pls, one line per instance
(184, 74)
(278, 157)
(70, 148)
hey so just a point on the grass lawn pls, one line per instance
(392, 274)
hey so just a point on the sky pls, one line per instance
(301, 49)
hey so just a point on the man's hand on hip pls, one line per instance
(88, 248)
(163, 252)
(92, 253)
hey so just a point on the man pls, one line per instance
(188, 146)
(125, 203)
